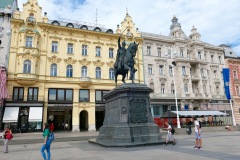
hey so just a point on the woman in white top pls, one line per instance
(169, 134)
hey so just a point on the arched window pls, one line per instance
(27, 66)
(69, 71)
(111, 73)
(84, 71)
(53, 71)
(98, 73)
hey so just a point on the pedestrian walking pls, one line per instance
(170, 133)
(7, 136)
(198, 138)
(46, 143)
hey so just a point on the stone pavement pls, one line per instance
(216, 146)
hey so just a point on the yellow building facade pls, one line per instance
(59, 71)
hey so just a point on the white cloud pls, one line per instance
(217, 21)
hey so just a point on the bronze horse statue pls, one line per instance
(127, 64)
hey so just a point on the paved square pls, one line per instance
(219, 145)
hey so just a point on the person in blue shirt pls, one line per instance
(46, 144)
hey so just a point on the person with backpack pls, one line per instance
(170, 133)
(47, 143)
(7, 135)
(197, 133)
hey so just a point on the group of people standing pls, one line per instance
(197, 130)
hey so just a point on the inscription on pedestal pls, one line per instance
(138, 111)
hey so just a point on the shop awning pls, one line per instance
(193, 113)
(35, 114)
(10, 114)
(200, 113)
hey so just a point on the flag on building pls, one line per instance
(3, 84)
(226, 79)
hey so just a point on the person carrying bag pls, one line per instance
(7, 136)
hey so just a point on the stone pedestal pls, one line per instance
(128, 121)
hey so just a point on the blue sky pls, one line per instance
(218, 21)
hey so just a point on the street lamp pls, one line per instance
(174, 83)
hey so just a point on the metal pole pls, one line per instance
(175, 93)
(234, 122)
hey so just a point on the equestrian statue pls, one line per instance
(125, 61)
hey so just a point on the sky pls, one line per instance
(218, 21)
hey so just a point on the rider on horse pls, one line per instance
(121, 52)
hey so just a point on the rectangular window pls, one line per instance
(199, 55)
(150, 69)
(181, 53)
(204, 89)
(69, 95)
(186, 107)
(29, 41)
(169, 52)
(159, 52)
(220, 59)
(1, 18)
(235, 75)
(32, 94)
(18, 93)
(161, 69)
(202, 73)
(84, 95)
(70, 48)
(183, 70)
(188, 55)
(99, 95)
(212, 58)
(84, 50)
(98, 51)
(172, 89)
(162, 88)
(170, 70)
(237, 91)
(54, 46)
(52, 94)
(110, 52)
(186, 88)
(215, 73)
(149, 50)
(60, 94)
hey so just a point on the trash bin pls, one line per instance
(188, 129)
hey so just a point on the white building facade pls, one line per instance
(198, 71)
(7, 7)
